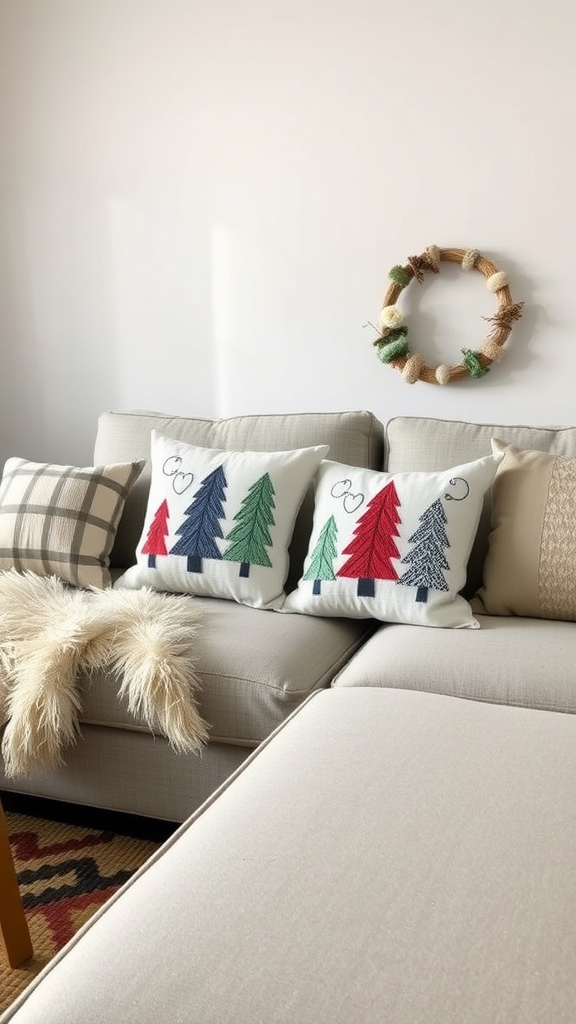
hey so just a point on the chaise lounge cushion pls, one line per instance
(387, 857)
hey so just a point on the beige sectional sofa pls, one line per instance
(378, 848)
(256, 666)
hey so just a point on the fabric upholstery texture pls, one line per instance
(426, 443)
(129, 770)
(62, 520)
(393, 546)
(254, 669)
(509, 660)
(219, 523)
(409, 885)
(530, 568)
(356, 437)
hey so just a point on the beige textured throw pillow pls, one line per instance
(530, 568)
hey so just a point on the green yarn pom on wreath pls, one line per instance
(393, 349)
(473, 365)
(400, 276)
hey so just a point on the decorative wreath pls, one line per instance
(392, 342)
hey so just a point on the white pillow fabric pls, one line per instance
(393, 547)
(218, 523)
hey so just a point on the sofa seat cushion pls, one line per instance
(254, 668)
(509, 660)
(387, 857)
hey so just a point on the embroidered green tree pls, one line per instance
(251, 536)
(322, 558)
(198, 532)
(155, 543)
(427, 558)
(373, 547)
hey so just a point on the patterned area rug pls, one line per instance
(66, 873)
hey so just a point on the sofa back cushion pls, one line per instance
(424, 443)
(353, 437)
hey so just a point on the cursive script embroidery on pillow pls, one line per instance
(218, 523)
(393, 547)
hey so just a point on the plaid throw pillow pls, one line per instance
(61, 520)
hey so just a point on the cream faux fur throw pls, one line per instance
(51, 633)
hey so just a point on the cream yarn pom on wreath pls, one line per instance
(392, 342)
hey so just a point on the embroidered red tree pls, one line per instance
(322, 559)
(155, 543)
(373, 547)
(427, 557)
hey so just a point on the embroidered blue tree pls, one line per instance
(427, 557)
(250, 537)
(322, 558)
(199, 530)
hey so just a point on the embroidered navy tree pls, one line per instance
(251, 536)
(322, 558)
(427, 558)
(373, 547)
(155, 543)
(198, 532)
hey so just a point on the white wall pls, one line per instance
(200, 203)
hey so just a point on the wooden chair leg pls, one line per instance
(14, 934)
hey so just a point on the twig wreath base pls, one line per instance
(392, 342)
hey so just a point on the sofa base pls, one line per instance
(133, 772)
(386, 856)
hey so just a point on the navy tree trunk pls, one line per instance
(365, 588)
